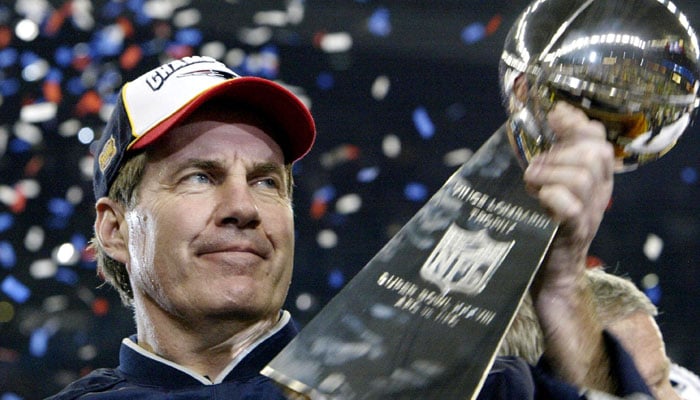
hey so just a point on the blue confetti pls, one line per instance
(473, 33)
(108, 81)
(135, 5)
(106, 43)
(61, 211)
(423, 123)
(54, 75)
(271, 49)
(15, 289)
(325, 81)
(368, 174)
(8, 258)
(75, 86)
(337, 219)
(78, 241)
(8, 57)
(270, 66)
(9, 87)
(190, 37)
(67, 276)
(289, 38)
(63, 56)
(90, 265)
(325, 194)
(336, 279)
(18, 145)
(6, 221)
(689, 175)
(152, 47)
(60, 207)
(110, 98)
(39, 342)
(28, 58)
(379, 24)
(415, 191)
(56, 222)
(654, 294)
(142, 18)
(112, 9)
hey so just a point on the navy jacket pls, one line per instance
(141, 377)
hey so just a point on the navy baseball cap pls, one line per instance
(149, 106)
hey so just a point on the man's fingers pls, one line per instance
(568, 122)
(573, 179)
(579, 182)
(584, 163)
(562, 204)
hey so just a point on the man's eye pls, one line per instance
(268, 183)
(199, 177)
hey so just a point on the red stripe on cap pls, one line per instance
(278, 103)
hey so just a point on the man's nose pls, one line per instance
(237, 205)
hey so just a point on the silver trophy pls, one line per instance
(425, 317)
(632, 64)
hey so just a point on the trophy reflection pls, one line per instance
(631, 64)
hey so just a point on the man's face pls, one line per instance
(211, 235)
(641, 337)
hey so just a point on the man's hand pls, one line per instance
(573, 181)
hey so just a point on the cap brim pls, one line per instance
(278, 104)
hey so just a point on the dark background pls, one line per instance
(441, 60)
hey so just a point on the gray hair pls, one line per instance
(615, 298)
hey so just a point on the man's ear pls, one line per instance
(111, 230)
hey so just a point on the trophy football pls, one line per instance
(425, 317)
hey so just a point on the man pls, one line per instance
(628, 314)
(194, 228)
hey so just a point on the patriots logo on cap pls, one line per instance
(157, 77)
(209, 72)
(107, 154)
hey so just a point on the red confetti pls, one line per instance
(52, 91)
(179, 51)
(318, 38)
(162, 30)
(20, 202)
(81, 61)
(5, 36)
(494, 24)
(34, 165)
(88, 253)
(126, 26)
(100, 306)
(9, 355)
(57, 19)
(593, 262)
(90, 103)
(131, 57)
(318, 209)
(351, 152)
